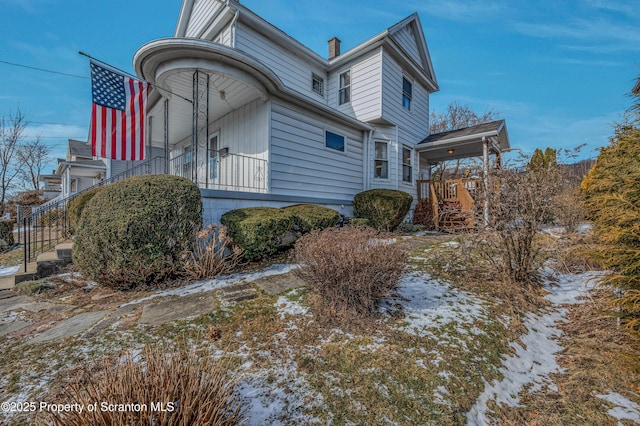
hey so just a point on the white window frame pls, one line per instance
(384, 160)
(409, 165)
(407, 98)
(344, 89)
(316, 78)
(344, 151)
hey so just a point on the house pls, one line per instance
(77, 171)
(255, 118)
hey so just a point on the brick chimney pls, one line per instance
(334, 47)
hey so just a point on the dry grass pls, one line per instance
(599, 357)
(211, 255)
(191, 389)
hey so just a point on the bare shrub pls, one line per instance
(349, 270)
(518, 204)
(211, 254)
(193, 390)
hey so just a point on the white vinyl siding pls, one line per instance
(293, 70)
(407, 40)
(366, 74)
(201, 16)
(300, 163)
(224, 37)
(415, 124)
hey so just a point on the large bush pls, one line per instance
(612, 194)
(258, 231)
(137, 231)
(349, 270)
(311, 217)
(385, 208)
(77, 205)
(262, 231)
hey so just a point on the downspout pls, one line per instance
(485, 178)
(398, 163)
(367, 164)
(232, 41)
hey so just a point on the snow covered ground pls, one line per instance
(535, 355)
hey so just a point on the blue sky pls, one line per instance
(557, 71)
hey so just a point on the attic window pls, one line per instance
(317, 84)
(407, 93)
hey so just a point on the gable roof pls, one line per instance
(405, 40)
(412, 25)
(79, 149)
(396, 37)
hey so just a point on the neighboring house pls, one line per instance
(78, 171)
(256, 118)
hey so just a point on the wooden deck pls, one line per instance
(450, 203)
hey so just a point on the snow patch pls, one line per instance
(624, 410)
(534, 359)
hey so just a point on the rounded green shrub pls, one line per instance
(385, 208)
(358, 222)
(77, 205)
(312, 217)
(258, 231)
(6, 235)
(136, 231)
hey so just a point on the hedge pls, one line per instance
(384, 208)
(136, 231)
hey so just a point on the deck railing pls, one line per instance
(445, 195)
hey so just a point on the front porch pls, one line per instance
(208, 113)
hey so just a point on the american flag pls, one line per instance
(118, 114)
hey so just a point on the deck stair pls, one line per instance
(451, 203)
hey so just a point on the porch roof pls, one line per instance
(466, 142)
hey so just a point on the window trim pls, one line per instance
(376, 159)
(409, 165)
(346, 89)
(315, 77)
(344, 137)
(407, 96)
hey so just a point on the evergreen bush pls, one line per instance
(258, 231)
(137, 231)
(311, 217)
(612, 198)
(77, 205)
(385, 208)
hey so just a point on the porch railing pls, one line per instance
(449, 198)
(229, 172)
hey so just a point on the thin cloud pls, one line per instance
(461, 11)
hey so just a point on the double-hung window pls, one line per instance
(381, 161)
(344, 93)
(317, 84)
(407, 165)
(407, 93)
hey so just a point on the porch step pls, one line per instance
(46, 264)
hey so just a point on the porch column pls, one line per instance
(166, 136)
(200, 121)
(485, 178)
